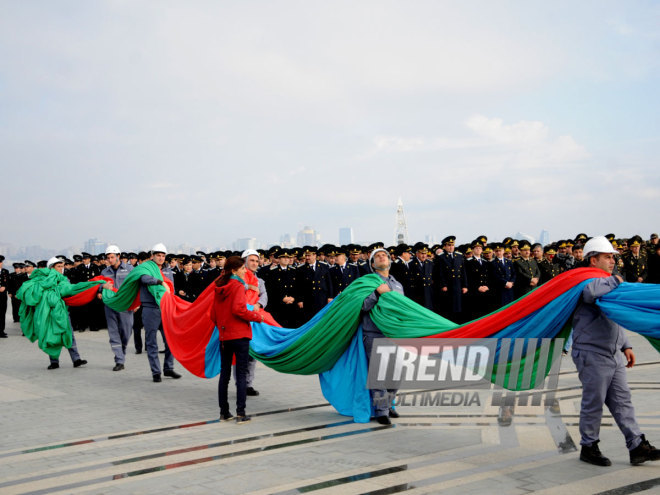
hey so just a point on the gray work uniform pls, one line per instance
(152, 322)
(598, 343)
(370, 332)
(120, 324)
(252, 363)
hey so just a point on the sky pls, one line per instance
(201, 122)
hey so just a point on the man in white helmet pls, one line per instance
(256, 292)
(379, 263)
(120, 324)
(151, 317)
(601, 352)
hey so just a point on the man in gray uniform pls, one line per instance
(151, 317)
(120, 325)
(379, 262)
(251, 258)
(601, 352)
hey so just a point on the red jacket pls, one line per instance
(230, 313)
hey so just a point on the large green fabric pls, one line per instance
(44, 316)
(338, 326)
(124, 297)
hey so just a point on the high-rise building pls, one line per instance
(544, 237)
(308, 237)
(94, 246)
(521, 235)
(286, 241)
(345, 235)
(245, 243)
(401, 230)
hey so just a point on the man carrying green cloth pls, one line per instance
(44, 315)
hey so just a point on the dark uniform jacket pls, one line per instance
(634, 267)
(281, 283)
(477, 272)
(526, 270)
(190, 283)
(449, 271)
(402, 272)
(340, 278)
(422, 274)
(501, 273)
(314, 288)
(548, 270)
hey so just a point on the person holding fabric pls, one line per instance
(151, 317)
(4, 284)
(120, 324)
(601, 352)
(58, 265)
(258, 297)
(231, 317)
(380, 263)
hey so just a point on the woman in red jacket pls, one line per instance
(231, 316)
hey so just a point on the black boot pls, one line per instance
(644, 452)
(592, 455)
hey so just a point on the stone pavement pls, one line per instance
(92, 430)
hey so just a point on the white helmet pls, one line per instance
(249, 252)
(112, 249)
(53, 261)
(596, 245)
(159, 248)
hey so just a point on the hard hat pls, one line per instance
(249, 252)
(53, 261)
(598, 244)
(112, 249)
(159, 248)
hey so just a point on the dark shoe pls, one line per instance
(138, 351)
(383, 420)
(393, 414)
(592, 455)
(3, 335)
(53, 366)
(157, 378)
(226, 416)
(118, 367)
(172, 374)
(79, 362)
(644, 452)
(251, 392)
(241, 420)
(161, 352)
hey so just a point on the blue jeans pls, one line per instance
(241, 349)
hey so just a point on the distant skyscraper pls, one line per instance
(430, 239)
(245, 243)
(544, 237)
(521, 235)
(286, 241)
(307, 237)
(401, 231)
(94, 246)
(345, 235)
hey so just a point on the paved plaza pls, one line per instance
(92, 430)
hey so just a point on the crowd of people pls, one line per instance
(460, 283)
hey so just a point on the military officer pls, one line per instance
(184, 285)
(449, 281)
(635, 266)
(528, 274)
(4, 283)
(342, 273)
(282, 292)
(477, 271)
(313, 284)
(401, 269)
(422, 273)
(549, 270)
(503, 277)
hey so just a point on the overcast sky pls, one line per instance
(202, 122)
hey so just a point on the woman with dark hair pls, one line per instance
(231, 317)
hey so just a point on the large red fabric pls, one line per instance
(188, 327)
(488, 325)
(230, 313)
(86, 296)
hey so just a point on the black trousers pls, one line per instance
(228, 349)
